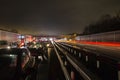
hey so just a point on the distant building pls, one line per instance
(8, 36)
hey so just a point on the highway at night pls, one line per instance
(59, 39)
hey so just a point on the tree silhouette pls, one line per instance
(104, 24)
(14, 30)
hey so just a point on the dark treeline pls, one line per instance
(12, 30)
(105, 24)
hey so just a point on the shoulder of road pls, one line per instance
(110, 51)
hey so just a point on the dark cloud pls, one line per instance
(53, 16)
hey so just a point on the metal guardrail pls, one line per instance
(84, 73)
(99, 63)
(62, 65)
(92, 49)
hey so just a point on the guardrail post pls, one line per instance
(118, 75)
(65, 63)
(72, 74)
(98, 64)
(86, 58)
(79, 55)
(118, 70)
(74, 52)
(71, 50)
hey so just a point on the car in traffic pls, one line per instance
(4, 44)
(15, 63)
(37, 53)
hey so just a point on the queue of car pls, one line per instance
(16, 63)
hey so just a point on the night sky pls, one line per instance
(53, 16)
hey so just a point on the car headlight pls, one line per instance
(8, 47)
(48, 45)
